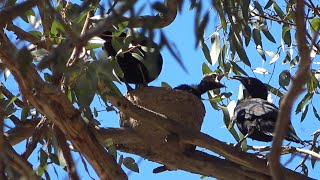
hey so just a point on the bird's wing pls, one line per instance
(261, 113)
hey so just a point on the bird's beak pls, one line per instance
(240, 78)
(219, 84)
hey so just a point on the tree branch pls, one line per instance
(35, 138)
(58, 109)
(9, 95)
(159, 21)
(193, 137)
(8, 14)
(288, 99)
(21, 131)
(62, 143)
(23, 35)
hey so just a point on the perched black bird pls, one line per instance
(208, 82)
(255, 116)
(140, 63)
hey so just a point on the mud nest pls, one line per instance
(183, 107)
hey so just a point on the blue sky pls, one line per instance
(181, 33)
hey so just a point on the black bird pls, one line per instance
(255, 116)
(141, 63)
(209, 82)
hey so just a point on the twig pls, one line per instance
(313, 147)
(288, 99)
(14, 119)
(9, 95)
(2, 145)
(62, 143)
(77, 50)
(35, 137)
(46, 20)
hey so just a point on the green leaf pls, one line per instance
(274, 90)
(315, 25)
(236, 69)
(286, 59)
(193, 4)
(27, 15)
(85, 89)
(260, 70)
(274, 58)
(257, 37)
(24, 114)
(205, 51)
(54, 158)
(6, 73)
(284, 79)
(304, 113)
(261, 52)
(269, 36)
(213, 104)
(245, 8)
(269, 3)
(258, 7)
(43, 157)
(201, 27)
(303, 102)
(166, 85)
(93, 45)
(113, 151)
(37, 34)
(223, 21)
(227, 119)
(237, 44)
(278, 10)
(247, 35)
(206, 69)
(130, 163)
(294, 61)
(215, 47)
(56, 28)
(315, 112)
(10, 106)
(108, 142)
(286, 35)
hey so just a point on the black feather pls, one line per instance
(256, 116)
(134, 70)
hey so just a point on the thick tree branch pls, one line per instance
(58, 109)
(195, 138)
(21, 131)
(8, 14)
(289, 98)
(159, 21)
(23, 35)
